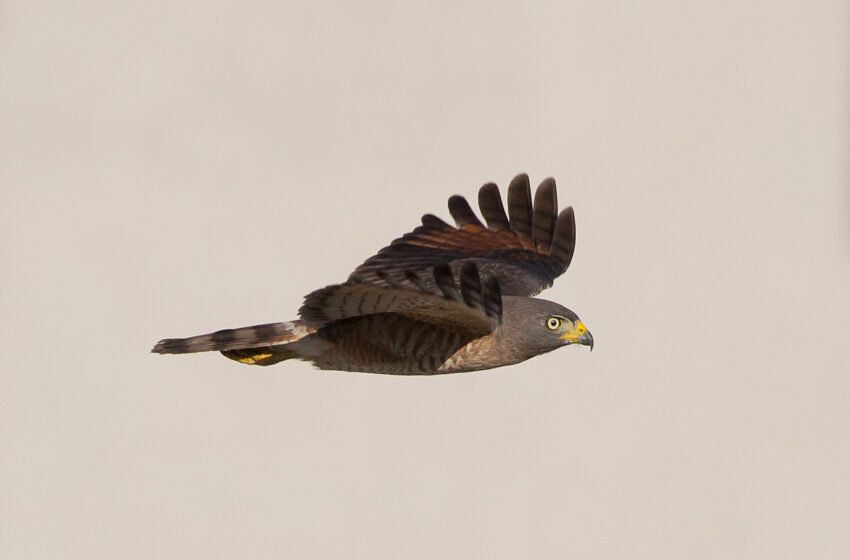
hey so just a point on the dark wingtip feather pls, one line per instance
(430, 220)
(445, 281)
(462, 213)
(564, 240)
(492, 298)
(545, 214)
(490, 204)
(519, 206)
(470, 285)
(416, 280)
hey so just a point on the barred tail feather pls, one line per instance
(236, 339)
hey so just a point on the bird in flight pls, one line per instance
(440, 299)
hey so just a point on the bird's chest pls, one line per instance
(481, 353)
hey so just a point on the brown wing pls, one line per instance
(474, 309)
(525, 250)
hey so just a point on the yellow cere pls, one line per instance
(577, 330)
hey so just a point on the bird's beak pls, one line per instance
(586, 339)
(578, 335)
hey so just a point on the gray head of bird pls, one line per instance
(535, 326)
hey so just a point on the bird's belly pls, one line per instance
(389, 344)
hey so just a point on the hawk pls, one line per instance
(440, 299)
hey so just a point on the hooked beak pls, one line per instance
(586, 339)
(578, 335)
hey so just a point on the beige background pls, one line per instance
(173, 168)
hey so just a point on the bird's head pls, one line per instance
(542, 325)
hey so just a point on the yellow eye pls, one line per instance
(554, 323)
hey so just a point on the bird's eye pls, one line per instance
(553, 323)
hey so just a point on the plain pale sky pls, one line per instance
(172, 168)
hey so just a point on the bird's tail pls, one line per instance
(257, 345)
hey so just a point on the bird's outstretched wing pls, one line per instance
(468, 306)
(524, 250)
